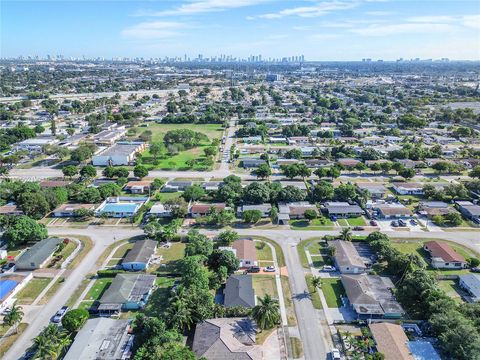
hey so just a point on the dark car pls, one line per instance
(402, 223)
(373, 223)
(253, 269)
(475, 269)
(358, 228)
(394, 223)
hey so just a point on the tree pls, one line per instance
(70, 171)
(274, 214)
(157, 184)
(316, 282)
(473, 262)
(310, 214)
(322, 191)
(156, 149)
(74, 319)
(198, 244)
(88, 171)
(53, 127)
(453, 219)
(252, 216)
(33, 204)
(266, 314)
(291, 193)
(210, 151)
(140, 171)
(227, 237)
(82, 153)
(109, 189)
(263, 171)
(89, 195)
(406, 173)
(346, 234)
(193, 193)
(256, 193)
(223, 258)
(14, 317)
(475, 173)
(175, 351)
(50, 342)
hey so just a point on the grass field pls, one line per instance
(170, 258)
(98, 288)
(297, 348)
(158, 300)
(265, 284)
(123, 250)
(317, 304)
(7, 343)
(287, 297)
(315, 224)
(451, 288)
(263, 251)
(333, 291)
(356, 221)
(167, 196)
(52, 291)
(30, 292)
(278, 249)
(313, 245)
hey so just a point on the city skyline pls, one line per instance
(319, 30)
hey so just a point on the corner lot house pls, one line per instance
(371, 296)
(347, 258)
(228, 339)
(139, 257)
(245, 251)
(127, 292)
(408, 188)
(239, 291)
(102, 338)
(158, 210)
(442, 256)
(122, 153)
(391, 341)
(68, 210)
(38, 255)
(471, 283)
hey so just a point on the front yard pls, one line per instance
(264, 284)
(333, 291)
(30, 292)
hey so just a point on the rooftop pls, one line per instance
(346, 254)
(391, 341)
(38, 253)
(245, 249)
(141, 252)
(239, 291)
(443, 251)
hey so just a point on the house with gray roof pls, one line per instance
(228, 339)
(102, 338)
(263, 208)
(239, 291)
(471, 283)
(38, 255)
(342, 209)
(347, 259)
(139, 257)
(252, 163)
(469, 210)
(371, 296)
(127, 292)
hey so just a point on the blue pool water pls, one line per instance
(5, 287)
(120, 208)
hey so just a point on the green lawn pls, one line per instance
(159, 298)
(315, 224)
(316, 302)
(123, 250)
(356, 221)
(451, 289)
(265, 284)
(163, 196)
(170, 257)
(211, 130)
(52, 291)
(333, 291)
(343, 222)
(30, 292)
(98, 288)
(313, 245)
(263, 251)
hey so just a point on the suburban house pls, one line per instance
(343, 209)
(69, 210)
(10, 209)
(371, 296)
(470, 283)
(10, 285)
(348, 162)
(469, 210)
(122, 153)
(174, 186)
(263, 208)
(158, 210)
(127, 292)
(295, 210)
(211, 185)
(138, 187)
(239, 291)
(252, 163)
(197, 210)
(347, 259)
(433, 208)
(227, 339)
(392, 210)
(442, 256)
(245, 252)
(408, 188)
(376, 190)
(102, 338)
(36, 144)
(121, 207)
(391, 341)
(139, 257)
(38, 255)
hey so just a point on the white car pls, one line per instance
(328, 268)
(270, 269)
(335, 354)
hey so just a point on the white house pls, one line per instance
(122, 153)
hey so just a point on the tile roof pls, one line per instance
(239, 291)
(391, 341)
(245, 249)
(443, 251)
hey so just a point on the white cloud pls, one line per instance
(316, 10)
(201, 6)
(379, 13)
(403, 28)
(432, 19)
(472, 21)
(151, 30)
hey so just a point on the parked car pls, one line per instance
(59, 314)
(269, 269)
(402, 223)
(328, 268)
(394, 223)
(413, 222)
(475, 269)
(358, 228)
(373, 223)
(335, 353)
(253, 269)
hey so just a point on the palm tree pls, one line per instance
(316, 282)
(14, 317)
(180, 315)
(346, 234)
(266, 313)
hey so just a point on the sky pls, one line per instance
(320, 30)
